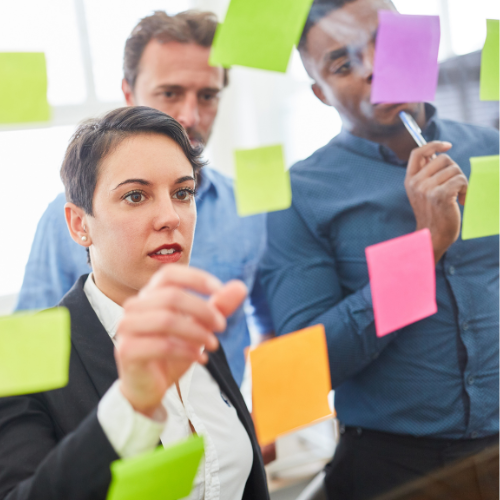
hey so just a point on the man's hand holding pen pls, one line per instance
(433, 185)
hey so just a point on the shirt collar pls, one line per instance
(378, 151)
(206, 182)
(108, 312)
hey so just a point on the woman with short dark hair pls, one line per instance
(145, 363)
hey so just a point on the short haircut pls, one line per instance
(319, 10)
(191, 26)
(96, 138)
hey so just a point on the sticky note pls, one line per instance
(482, 200)
(262, 183)
(163, 474)
(259, 33)
(489, 80)
(290, 383)
(34, 351)
(402, 280)
(23, 87)
(406, 58)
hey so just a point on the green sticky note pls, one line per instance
(34, 351)
(259, 33)
(489, 82)
(23, 87)
(481, 211)
(262, 184)
(163, 474)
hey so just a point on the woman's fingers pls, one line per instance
(146, 349)
(176, 299)
(184, 277)
(230, 297)
(163, 322)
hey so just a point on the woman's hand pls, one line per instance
(165, 328)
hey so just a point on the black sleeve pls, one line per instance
(36, 465)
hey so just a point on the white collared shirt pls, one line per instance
(228, 451)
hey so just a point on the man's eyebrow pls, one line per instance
(180, 180)
(336, 54)
(133, 181)
(210, 89)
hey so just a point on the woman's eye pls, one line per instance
(135, 197)
(184, 194)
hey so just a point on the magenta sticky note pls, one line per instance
(402, 280)
(406, 58)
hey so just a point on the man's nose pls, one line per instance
(189, 115)
(367, 64)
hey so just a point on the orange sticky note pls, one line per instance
(290, 383)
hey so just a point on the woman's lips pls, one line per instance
(167, 253)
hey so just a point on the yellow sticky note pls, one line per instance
(23, 87)
(290, 383)
(34, 351)
(489, 80)
(259, 33)
(481, 210)
(163, 474)
(262, 183)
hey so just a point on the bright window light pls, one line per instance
(50, 27)
(468, 23)
(109, 24)
(30, 161)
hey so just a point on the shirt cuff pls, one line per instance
(129, 432)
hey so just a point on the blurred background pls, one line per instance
(83, 42)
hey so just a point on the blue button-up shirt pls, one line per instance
(224, 244)
(437, 377)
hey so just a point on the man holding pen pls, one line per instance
(426, 395)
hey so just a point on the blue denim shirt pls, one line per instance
(437, 377)
(224, 244)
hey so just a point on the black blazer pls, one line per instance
(51, 443)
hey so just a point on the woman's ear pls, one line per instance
(76, 219)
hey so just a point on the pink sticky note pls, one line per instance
(406, 58)
(402, 281)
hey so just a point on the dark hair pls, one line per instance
(191, 26)
(319, 10)
(95, 138)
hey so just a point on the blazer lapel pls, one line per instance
(219, 369)
(90, 339)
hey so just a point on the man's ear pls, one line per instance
(127, 93)
(319, 94)
(76, 219)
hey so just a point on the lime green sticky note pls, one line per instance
(23, 87)
(163, 474)
(481, 210)
(262, 184)
(259, 33)
(34, 351)
(489, 82)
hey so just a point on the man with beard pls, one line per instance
(166, 67)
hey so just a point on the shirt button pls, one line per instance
(451, 270)
(470, 380)
(473, 434)
(465, 326)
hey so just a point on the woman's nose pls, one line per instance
(167, 217)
